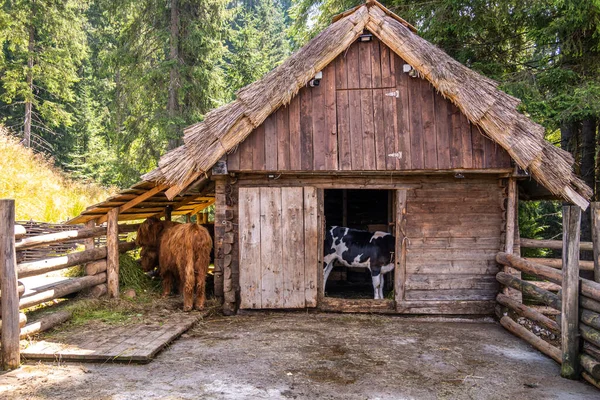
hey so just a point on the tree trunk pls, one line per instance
(568, 138)
(29, 101)
(173, 106)
(588, 152)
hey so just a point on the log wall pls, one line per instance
(354, 121)
(454, 229)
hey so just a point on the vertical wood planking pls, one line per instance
(10, 351)
(249, 239)
(271, 247)
(368, 129)
(283, 139)
(341, 77)
(306, 130)
(292, 217)
(490, 153)
(112, 253)
(467, 149)
(331, 157)
(387, 75)
(400, 252)
(258, 148)
(376, 63)
(478, 147)
(364, 64)
(595, 216)
(402, 117)
(391, 134)
(294, 128)
(442, 132)
(356, 134)
(570, 293)
(430, 146)
(416, 124)
(456, 141)
(245, 150)
(233, 160)
(343, 129)
(270, 125)
(311, 246)
(352, 67)
(383, 138)
(320, 139)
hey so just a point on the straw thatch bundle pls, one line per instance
(478, 97)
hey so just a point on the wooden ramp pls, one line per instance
(132, 343)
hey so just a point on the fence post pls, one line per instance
(511, 233)
(8, 286)
(595, 211)
(112, 256)
(570, 292)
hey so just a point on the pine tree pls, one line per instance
(43, 46)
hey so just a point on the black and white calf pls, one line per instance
(363, 249)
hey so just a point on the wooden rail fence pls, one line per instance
(577, 301)
(100, 258)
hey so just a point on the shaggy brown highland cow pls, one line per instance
(182, 253)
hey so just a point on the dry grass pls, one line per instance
(41, 191)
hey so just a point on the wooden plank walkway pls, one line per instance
(131, 343)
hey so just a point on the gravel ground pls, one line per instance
(316, 356)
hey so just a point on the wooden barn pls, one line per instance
(368, 126)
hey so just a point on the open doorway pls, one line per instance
(368, 210)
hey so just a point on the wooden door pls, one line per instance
(278, 236)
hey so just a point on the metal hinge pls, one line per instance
(395, 94)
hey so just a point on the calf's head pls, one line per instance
(148, 259)
(148, 234)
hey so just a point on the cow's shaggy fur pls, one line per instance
(182, 253)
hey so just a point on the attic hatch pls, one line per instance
(363, 209)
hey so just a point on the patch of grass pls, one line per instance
(131, 275)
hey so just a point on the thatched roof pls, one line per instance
(478, 97)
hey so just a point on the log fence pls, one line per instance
(99, 259)
(559, 287)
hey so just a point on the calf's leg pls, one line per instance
(377, 284)
(326, 272)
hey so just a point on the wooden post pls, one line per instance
(220, 204)
(112, 257)
(595, 211)
(570, 292)
(400, 253)
(511, 226)
(168, 212)
(8, 286)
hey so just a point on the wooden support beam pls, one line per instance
(529, 313)
(527, 288)
(570, 293)
(10, 351)
(595, 211)
(531, 338)
(45, 323)
(112, 254)
(509, 243)
(62, 289)
(133, 202)
(400, 245)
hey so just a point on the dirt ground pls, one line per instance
(316, 356)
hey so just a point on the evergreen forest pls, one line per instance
(105, 87)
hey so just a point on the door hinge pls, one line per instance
(395, 94)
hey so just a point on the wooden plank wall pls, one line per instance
(454, 230)
(278, 247)
(349, 123)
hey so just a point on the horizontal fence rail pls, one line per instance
(49, 248)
